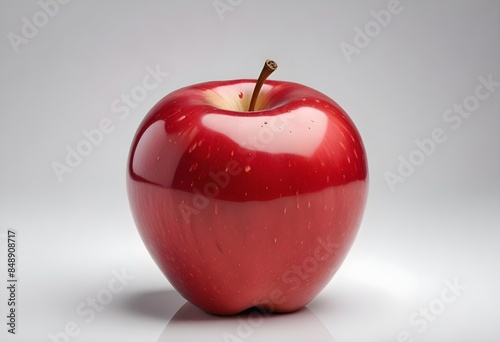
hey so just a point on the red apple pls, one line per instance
(243, 208)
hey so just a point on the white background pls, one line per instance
(441, 224)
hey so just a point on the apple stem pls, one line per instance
(268, 69)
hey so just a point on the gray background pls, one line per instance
(441, 224)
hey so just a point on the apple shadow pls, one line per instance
(185, 322)
(161, 304)
(192, 324)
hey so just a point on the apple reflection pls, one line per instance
(192, 324)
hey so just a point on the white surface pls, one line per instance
(442, 224)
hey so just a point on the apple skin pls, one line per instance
(242, 209)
